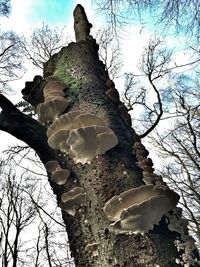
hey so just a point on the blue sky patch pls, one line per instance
(52, 12)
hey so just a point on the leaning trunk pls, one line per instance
(88, 89)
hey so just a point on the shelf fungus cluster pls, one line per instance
(113, 94)
(146, 164)
(58, 175)
(55, 102)
(72, 200)
(92, 249)
(138, 209)
(83, 136)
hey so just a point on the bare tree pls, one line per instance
(43, 43)
(183, 16)
(171, 122)
(15, 215)
(28, 231)
(144, 90)
(5, 7)
(109, 51)
(10, 53)
(180, 148)
(10, 58)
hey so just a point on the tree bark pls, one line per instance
(116, 171)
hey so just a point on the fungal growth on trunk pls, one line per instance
(138, 209)
(93, 249)
(58, 175)
(146, 165)
(113, 94)
(81, 135)
(52, 165)
(72, 200)
(55, 102)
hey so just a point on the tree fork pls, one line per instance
(78, 66)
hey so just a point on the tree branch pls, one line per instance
(25, 128)
(159, 115)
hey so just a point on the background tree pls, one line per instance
(29, 231)
(5, 7)
(181, 16)
(109, 51)
(169, 108)
(42, 44)
(144, 90)
(179, 146)
(10, 56)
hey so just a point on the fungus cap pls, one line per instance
(54, 95)
(72, 200)
(62, 123)
(82, 144)
(52, 165)
(49, 111)
(58, 141)
(74, 120)
(60, 176)
(110, 83)
(86, 143)
(82, 135)
(106, 139)
(53, 91)
(113, 94)
(142, 217)
(55, 86)
(137, 209)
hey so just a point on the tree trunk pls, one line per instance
(110, 174)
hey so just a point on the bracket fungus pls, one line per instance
(54, 95)
(89, 142)
(54, 86)
(58, 141)
(92, 248)
(54, 104)
(113, 94)
(72, 200)
(52, 165)
(138, 209)
(74, 120)
(83, 136)
(110, 83)
(50, 110)
(59, 175)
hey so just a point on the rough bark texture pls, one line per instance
(116, 171)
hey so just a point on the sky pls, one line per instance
(29, 14)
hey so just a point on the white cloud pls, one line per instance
(133, 46)
(20, 17)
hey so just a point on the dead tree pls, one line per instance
(96, 163)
